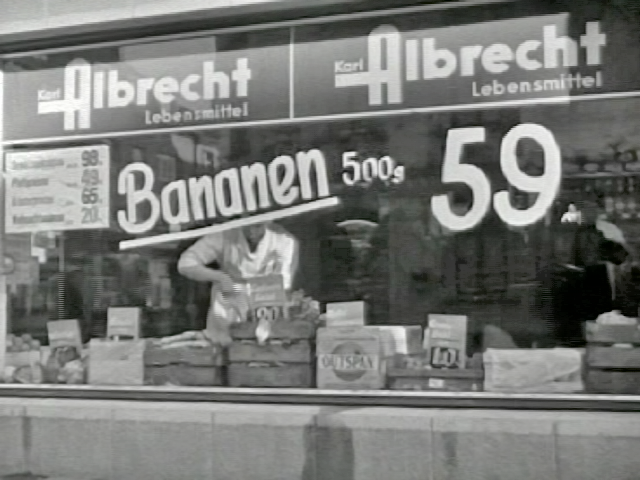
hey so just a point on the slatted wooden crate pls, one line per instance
(284, 360)
(613, 359)
(187, 366)
(295, 330)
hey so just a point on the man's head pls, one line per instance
(254, 233)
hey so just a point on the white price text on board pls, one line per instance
(364, 171)
(546, 186)
(58, 189)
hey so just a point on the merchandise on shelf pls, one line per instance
(414, 372)
(407, 339)
(65, 360)
(23, 362)
(554, 370)
(118, 359)
(280, 355)
(114, 362)
(353, 357)
(445, 340)
(64, 365)
(346, 314)
(187, 359)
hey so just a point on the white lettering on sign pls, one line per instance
(86, 90)
(356, 171)
(545, 186)
(393, 60)
(346, 362)
(284, 181)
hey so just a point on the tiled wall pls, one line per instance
(168, 441)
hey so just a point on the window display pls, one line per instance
(403, 212)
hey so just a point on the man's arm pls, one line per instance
(193, 262)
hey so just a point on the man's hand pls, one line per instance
(226, 284)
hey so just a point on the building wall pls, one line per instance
(110, 440)
(23, 23)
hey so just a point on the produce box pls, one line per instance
(414, 372)
(64, 365)
(271, 351)
(23, 367)
(436, 380)
(599, 333)
(116, 362)
(257, 375)
(352, 358)
(446, 340)
(346, 314)
(552, 370)
(618, 357)
(293, 330)
(407, 339)
(613, 382)
(155, 355)
(184, 375)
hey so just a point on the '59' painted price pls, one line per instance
(546, 186)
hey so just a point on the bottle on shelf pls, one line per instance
(620, 205)
(632, 206)
(609, 200)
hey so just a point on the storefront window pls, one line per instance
(383, 204)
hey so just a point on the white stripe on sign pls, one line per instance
(233, 224)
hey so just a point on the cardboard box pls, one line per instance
(116, 362)
(407, 339)
(346, 314)
(445, 341)
(64, 333)
(352, 358)
(124, 322)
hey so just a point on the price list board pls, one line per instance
(58, 189)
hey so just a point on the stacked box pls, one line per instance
(285, 359)
(184, 366)
(613, 358)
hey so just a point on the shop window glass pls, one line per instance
(454, 249)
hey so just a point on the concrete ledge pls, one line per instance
(123, 440)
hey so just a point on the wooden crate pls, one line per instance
(613, 357)
(184, 375)
(154, 355)
(297, 352)
(613, 382)
(610, 334)
(294, 330)
(290, 375)
(465, 380)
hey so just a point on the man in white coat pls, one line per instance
(242, 254)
